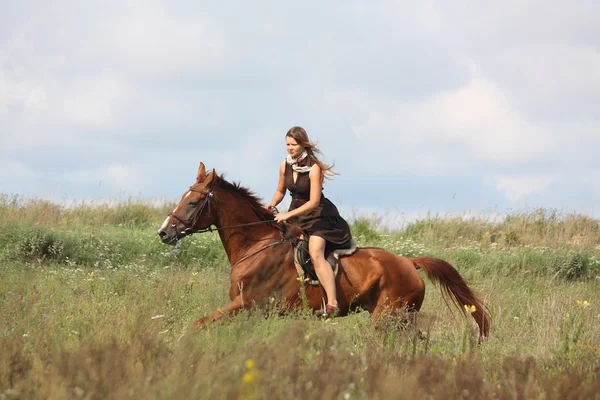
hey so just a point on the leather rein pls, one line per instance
(190, 223)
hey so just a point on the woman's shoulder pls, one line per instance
(316, 172)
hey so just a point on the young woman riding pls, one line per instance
(302, 173)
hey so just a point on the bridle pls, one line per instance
(191, 222)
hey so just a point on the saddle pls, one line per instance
(333, 252)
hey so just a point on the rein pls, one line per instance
(258, 251)
(209, 229)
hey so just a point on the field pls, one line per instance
(93, 306)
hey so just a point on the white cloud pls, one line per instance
(148, 38)
(12, 171)
(477, 117)
(517, 187)
(21, 94)
(118, 178)
(432, 88)
(92, 101)
(550, 78)
(65, 70)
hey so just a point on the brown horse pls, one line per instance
(262, 263)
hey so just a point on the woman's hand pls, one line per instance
(282, 217)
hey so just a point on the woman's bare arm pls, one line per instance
(280, 191)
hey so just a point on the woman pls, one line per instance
(302, 173)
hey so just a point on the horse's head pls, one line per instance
(193, 211)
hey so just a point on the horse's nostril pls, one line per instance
(162, 234)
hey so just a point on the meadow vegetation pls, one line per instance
(93, 306)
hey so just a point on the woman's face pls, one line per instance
(292, 147)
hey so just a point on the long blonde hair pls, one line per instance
(301, 137)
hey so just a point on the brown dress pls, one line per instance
(324, 220)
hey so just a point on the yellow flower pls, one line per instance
(249, 363)
(248, 378)
(470, 309)
(583, 304)
(90, 276)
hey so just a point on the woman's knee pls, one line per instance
(316, 255)
(316, 248)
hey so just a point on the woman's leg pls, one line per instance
(316, 248)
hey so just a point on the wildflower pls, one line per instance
(583, 304)
(248, 378)
(249, 363)
(470, 309)
(90, 276)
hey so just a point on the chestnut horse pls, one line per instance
(262, 263)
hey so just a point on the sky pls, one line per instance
(426, 106)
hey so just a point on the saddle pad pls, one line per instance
(333, 252)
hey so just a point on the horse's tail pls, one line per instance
(454, 286)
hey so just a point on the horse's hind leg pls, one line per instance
(403, 311)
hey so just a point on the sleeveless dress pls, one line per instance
(324, 220)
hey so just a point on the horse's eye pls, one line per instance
(193, 203)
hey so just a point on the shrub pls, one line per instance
(363, 230)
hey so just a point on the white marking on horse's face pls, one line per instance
(165, 224)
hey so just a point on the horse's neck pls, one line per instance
(236, 211)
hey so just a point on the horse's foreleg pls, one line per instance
(236, 304)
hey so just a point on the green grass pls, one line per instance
(93, 306)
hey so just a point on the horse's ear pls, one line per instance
(210, 177)
(201, 171)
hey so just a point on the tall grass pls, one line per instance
(93, 306)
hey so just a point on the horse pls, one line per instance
(262, 262)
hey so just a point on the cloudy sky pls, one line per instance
(440, 106)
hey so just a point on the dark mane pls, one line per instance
(253, 201)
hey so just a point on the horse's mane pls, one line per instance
(252, 199)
